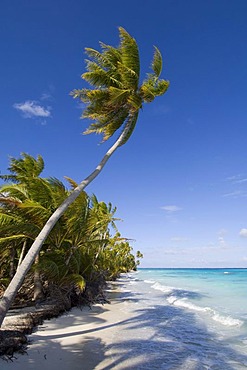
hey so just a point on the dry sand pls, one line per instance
(80, 339)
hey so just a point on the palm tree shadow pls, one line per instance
(157, 338)
(154, 337)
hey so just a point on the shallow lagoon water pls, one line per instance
(186, 319)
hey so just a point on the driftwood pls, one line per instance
(25, 315)
(13, 334)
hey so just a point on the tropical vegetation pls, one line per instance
(80, 250)
(112, 102)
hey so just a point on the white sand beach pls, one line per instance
(139, 330)
(80, 339)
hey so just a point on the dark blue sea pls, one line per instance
(188, 319)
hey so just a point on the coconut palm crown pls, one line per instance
(113, 103)
(117, 97)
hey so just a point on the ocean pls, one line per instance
(188, 319)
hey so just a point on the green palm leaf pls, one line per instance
(77, 280)
(157, 62)
(132, 122)
(130, 59)
(117, 97)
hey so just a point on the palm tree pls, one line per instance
(114, 102)
(78, 249)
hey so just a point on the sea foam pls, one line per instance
(173, 298)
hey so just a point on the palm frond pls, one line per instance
(113, 125)
(157, 62)
(77, 280)
(111, 56)
(129, 58)
(96, 75)
(153, 87)
(18, 191)
(118, 96)
(114, 72)
(134, 102)
(19, 237)
(95, 55)
(51, 267)
(26, 167)
(6, 219)
(72, 182)
(161, 87)
(132, 122)
(108, 124)
(35, 210)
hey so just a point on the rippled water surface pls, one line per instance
(185, 319)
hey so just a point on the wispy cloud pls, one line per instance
(236, 194)
(238, 186)
(48, 93)
(240, 181)
(171, 208)
(233, 178)
(32, 109)
(243, 233)
(236, 178)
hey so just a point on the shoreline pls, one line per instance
(139, 329)
(77, 339)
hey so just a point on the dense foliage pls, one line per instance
(113, 101)
(80, 250)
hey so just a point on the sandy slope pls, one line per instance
(80, 339)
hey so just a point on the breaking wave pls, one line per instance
(180, 298)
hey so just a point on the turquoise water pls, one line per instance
(221, 292)
(191, 319)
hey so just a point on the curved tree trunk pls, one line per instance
(16, 282)
(23, 250)
(38, 294)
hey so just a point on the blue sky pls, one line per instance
(180, 183)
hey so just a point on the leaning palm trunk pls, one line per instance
(22, 252)
(16, 282)
(114, 102)
(38, 294)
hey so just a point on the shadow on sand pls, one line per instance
(154, 337)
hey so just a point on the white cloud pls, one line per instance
(243, 233)
(171, 208)
(32, 109)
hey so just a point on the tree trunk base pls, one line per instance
(16, 326)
